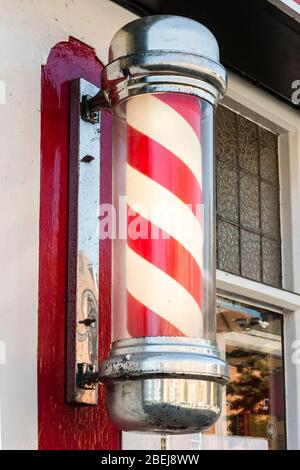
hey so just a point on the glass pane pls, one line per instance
(247, 196)
(250, 255)
(268, 155)
(226, 134)
(253, 415)
(249, 201)
(271, 262)
(228, 247)
(252, 341)
(248, 145)
(227, 191)
(269, 209)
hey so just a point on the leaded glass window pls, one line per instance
(247, 181)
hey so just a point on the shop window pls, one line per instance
(250, 338)
(253, 414)
(247, 182)
(254, 405)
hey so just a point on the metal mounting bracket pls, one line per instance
(91, 106)
(83, 245)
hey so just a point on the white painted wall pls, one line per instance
(28, 30)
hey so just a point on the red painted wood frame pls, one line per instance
(60, 425)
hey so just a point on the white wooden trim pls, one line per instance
(288, 274)
(265, 110)
(260, 293)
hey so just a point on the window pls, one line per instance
(254, 406)
(254, 344)
(247, 182)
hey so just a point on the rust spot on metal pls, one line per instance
(87, 321)
(87, 159)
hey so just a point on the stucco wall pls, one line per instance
(28, 30)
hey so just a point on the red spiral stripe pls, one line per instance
(165, 253)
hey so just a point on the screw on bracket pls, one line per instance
(87, 159)
(88, 114)
(87, 376)
(90, 107)
(87, 321)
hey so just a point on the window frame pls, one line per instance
(243, 228)
(265, 110)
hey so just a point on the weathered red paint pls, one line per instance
(64, 426)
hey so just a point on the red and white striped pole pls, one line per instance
(164, 176)
(164, 372)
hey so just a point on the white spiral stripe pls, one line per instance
(162, 123)
(162, 208)
(162, 294)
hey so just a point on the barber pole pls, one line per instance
(164, 190)
(134, 263)
(164, 373)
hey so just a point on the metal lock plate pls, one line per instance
(83, 249)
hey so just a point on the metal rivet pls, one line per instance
(126, 72)
(87, 159)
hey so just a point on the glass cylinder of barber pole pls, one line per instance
(164, 373)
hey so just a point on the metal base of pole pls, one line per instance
(164, 384)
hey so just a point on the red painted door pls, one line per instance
(61, 425)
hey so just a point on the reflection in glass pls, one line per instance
(253, 414)
(251, 340)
